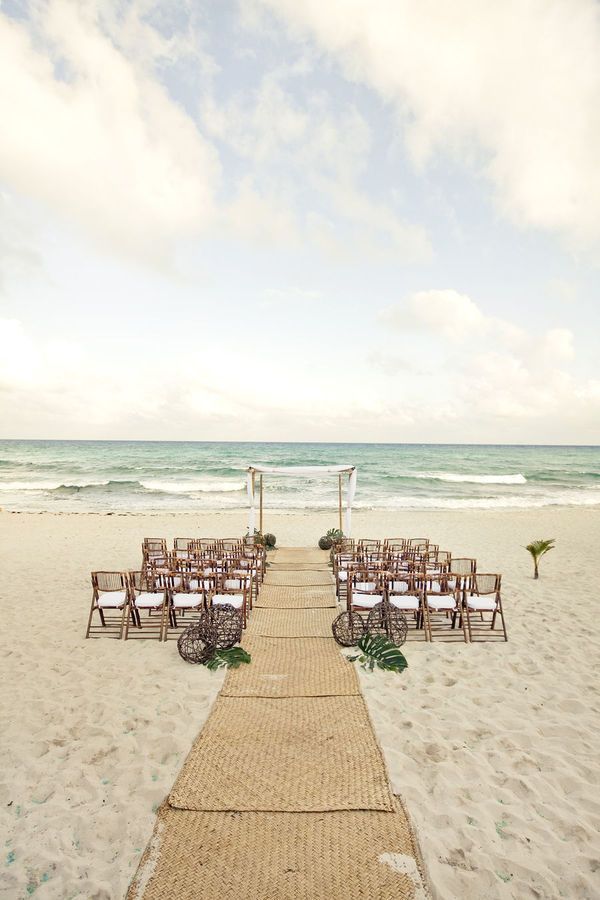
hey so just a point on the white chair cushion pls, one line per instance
(342, 576)
(187, 601)
(398, 586)
(441, 603)
(149, 600)
(366, 601)
(112, 599)
(236, 600)
(482, 603)
(408, 602)
(364, 586)
(233, 584)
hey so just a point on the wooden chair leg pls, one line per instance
(501, 611)
(468, 615)
(163, 620)
(123, 615)
(89, 624)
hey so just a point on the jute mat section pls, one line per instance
(299, 577)
(275, 596)
(291, 623)
(302, 556)
(280, 856)
(292, 667)
(299, 754)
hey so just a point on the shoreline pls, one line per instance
(241, 512)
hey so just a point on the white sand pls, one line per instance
(493, 747)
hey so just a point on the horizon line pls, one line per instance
(295, 443)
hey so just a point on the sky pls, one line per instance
(352, 220)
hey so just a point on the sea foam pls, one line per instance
(473, 479)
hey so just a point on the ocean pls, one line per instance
(119, 476)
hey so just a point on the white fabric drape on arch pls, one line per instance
(252, 513)
(350, 492)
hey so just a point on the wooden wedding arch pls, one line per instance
(256, 473)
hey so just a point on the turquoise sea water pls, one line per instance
(102, 476)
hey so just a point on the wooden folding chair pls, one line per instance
(233, 590)
(187, 593)
(365, 589)
(148, 605)
(110, 599)
(482, 594)
(442, 605)
(402, 593)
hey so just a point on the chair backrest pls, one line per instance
(182, 554)
(463, 565)
(343, 561)
(205, 544)
(344, 545)
(232, 544)
(146, 581)
(399, 583)
(394, 543)
(109, 581)
(418, 543)
(155, 578)
(232, 584)
(182, 543)
(154, 550)
(368, 544)
(154, 544)
(486, 583)
(365, 580)
(443, 583)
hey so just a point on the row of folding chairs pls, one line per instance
(436, 604)
(155, 552)
(399, 543)
(159, 545)
(160, 604)
(344, 563)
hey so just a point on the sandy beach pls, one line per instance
(492, 747)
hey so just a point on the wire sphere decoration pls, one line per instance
(386, 619)
(348, 628)
(221, 626)
(193, 647)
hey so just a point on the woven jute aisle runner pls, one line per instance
(284, 794)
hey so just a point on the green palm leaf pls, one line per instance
(232, 658)
(537, 550)
(377, 650)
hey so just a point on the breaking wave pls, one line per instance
(472, 479)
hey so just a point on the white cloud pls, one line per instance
(95, 137)
(307, 158)
(511, 89)
(447, 313)
(75, 387)
(491, 372)
(292, 296)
